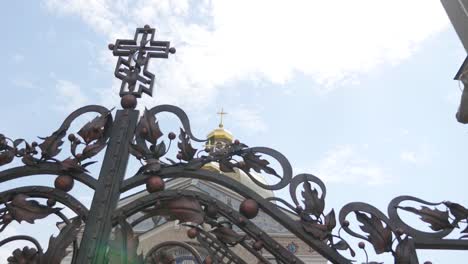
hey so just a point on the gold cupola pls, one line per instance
(219, 137)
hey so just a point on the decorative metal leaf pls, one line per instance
(26, 255)
(330, 220)
(343, 245)
(405, 252)
(318, 231)
(227, 235)
(137, 151)
(71, 165)
(457, 210)
(158, 150)
(148, 127)
(313, 204)
(438, 220)
(226, 166)
(17, 142)
(379, 236)
(56, 250)
(73, 145)
(124, 245)
(22, 209)
(7, 157)
(185, 148)
(234, 147)
(3, 142)
(93, 149)
(253, 161)
(29, 160)
(86, 164)
(51, 145)
(183, 209)
(94, 129)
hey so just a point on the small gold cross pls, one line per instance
(221, 116)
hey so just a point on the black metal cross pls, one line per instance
(137, 52)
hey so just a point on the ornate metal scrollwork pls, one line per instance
(19, 207)
(407, 238)
(94, 135)
(41, 158)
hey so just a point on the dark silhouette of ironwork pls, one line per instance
(125, 134)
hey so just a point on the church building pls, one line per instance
(157, 233)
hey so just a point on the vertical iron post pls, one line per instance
(98, 227)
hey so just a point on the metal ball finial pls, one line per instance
(128, 101)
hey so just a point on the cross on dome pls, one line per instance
(221, 114)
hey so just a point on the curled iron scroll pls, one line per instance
(94, 133)
(302, 178)
(366, 208)
(393, 207)
(25, 238)
(280, 158)
(83, 110)
(50, 193)
(180, 114)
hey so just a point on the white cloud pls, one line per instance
(421, 155)
(249, 120)
(222, 41)
(23, 83)
(17, 58)
(345, 164)
(69, 95)
(409, 156)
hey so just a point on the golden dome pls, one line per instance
(220, 138)
(220, 134)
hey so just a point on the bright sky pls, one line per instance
(359, 93)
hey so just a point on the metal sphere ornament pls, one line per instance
(154, 184)
(128, 101)
(208, 260)
(64, 183)
(258, 245)
(249, 208)
(192, 233)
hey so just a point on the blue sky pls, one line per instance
(360, 94)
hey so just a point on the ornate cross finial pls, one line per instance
(134, 55)
(221, 116)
